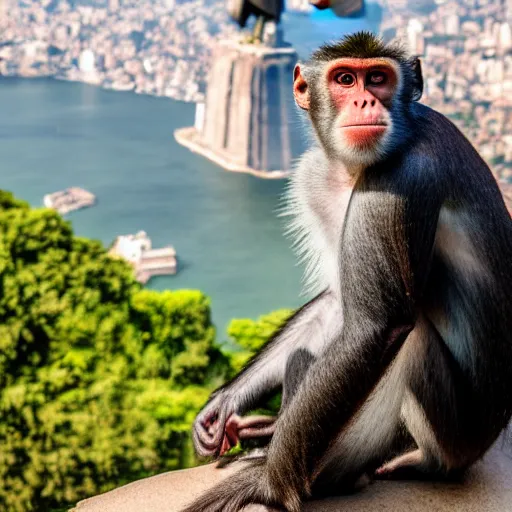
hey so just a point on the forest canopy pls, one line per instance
(100, 379)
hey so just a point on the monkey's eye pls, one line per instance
(346, 79)
(376, 78)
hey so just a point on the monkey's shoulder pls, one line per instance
(427, 116)
(437, 134)
(412, 172)
(313, 176)
(438, 152)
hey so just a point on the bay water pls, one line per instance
(120, 146)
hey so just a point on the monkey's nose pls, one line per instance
(365, 102)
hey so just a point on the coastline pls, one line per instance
(100, 85)
(120, 146)
(189, 138)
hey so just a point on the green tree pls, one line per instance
(99, 379)
(250, 335)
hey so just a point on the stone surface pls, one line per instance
(486, 488)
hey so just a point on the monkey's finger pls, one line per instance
(202, 432)
(206, 436)
(207, 441)
(230, 438)
(231, 433)
(255, 421)
(226, 445)
(209, 418)
(200, 448)
(256, 426)
(221, 426)
(250, 433)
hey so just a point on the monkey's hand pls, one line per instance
(209, 426)
(249, 486)
(217, 428)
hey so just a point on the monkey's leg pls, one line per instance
(296, 368)
(437, 412)
(407, 460)
(372, 435)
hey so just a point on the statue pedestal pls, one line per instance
(247, 122)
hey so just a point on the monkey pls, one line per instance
(400, 366)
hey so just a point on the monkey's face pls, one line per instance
(350, 106)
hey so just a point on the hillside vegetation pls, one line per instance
(99, 379)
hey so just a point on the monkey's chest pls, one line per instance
(335, 212)
(333, 215)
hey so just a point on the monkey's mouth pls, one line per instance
(366, 125)
(364, 134)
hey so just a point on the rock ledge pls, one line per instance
(487, 488)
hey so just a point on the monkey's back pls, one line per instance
(468, 296)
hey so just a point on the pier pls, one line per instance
(73, 198)
(146, 261)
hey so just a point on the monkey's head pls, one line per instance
(358, 93)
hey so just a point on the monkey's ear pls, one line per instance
(418, 79)
(300, 89)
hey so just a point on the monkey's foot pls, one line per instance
(248, 427)
(403, 466)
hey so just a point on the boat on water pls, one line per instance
(69, 199)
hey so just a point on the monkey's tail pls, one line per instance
(233, 494)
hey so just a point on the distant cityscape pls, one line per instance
(151, 47)
(163, 48)
(466, 50)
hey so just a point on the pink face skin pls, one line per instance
(362, 91)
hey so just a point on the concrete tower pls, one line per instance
(247, 121)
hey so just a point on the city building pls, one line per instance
(146, 261)
(86, 62)
(465, 49)
(3, 12)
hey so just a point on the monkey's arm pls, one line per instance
(306, 328)
(387, 247)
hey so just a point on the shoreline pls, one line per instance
(123, 150)
(132, 90)
(189, 138)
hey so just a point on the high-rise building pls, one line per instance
(86, 61)
(508, 10)
(452, 24)
(3, 12)
(415, 36)
(505, 37)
